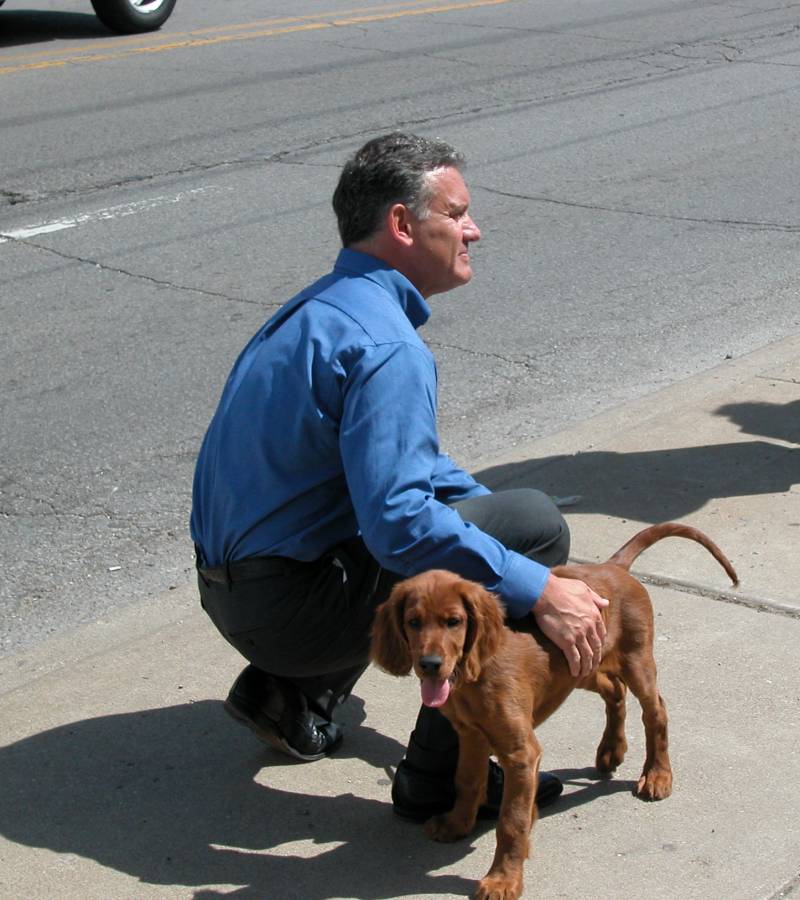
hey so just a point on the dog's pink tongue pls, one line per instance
(434, 691)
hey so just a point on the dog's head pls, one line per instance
(441, 626)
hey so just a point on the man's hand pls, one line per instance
(568, 612)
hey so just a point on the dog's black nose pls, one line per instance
(430, 665)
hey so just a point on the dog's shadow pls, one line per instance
(584, 786)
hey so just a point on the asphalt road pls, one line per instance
(633, 167)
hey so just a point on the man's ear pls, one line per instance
(399, 223)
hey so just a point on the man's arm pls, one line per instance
(390, 451)
(451, 483)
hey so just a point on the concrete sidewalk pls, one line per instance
(120, 775)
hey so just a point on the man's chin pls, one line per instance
(460, 277)
(465, 275)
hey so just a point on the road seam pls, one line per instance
(787, 889)
(760, 604)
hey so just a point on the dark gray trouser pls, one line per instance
(310, 625)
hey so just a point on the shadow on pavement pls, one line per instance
(25, 26)
(780, 421)
(169, 797)
(583, 785)
(659, 485)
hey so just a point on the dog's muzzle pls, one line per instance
(430, 665)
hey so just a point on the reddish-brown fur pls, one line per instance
(504, 681)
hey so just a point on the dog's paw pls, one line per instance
(495, 887)
(610, 756)
(447, 828)
(655, 784)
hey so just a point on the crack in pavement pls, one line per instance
(14, 197)
(140, 276)
(675, 49)
(485, 354)
(280, 156)
(698, 220)
(778, 378)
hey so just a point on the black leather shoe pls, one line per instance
(419, 795)
(277, 713)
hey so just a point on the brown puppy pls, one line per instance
(493, 684)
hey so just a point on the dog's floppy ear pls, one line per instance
(484, 629)
(390, 650)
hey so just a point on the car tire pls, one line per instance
(131, 16)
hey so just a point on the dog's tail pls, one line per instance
(626, 555)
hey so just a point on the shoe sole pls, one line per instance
(546, 797)
(268, 736)
(415, 815)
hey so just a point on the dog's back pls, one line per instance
(528, 655)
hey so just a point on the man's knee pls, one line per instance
(555, 551)
(522, 519)
(543, 533)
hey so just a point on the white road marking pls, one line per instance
(97, 215)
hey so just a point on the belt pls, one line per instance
(249, 569)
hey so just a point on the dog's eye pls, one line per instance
(414, 624)
(453, 622)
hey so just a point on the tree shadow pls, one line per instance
(27, 26)
(655, 485)
(780, 421)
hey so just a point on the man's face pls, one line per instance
(441, 240)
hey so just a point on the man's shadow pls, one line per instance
(661, 485)
(169, 797)
(27, 26)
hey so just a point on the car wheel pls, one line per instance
(130, 16)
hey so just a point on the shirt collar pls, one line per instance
(393, 282)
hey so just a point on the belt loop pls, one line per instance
(228, 578)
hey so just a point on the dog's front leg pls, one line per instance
(503, 881)
(470, 782)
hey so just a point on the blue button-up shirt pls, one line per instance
(327, 429)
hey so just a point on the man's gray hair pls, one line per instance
(394, 168)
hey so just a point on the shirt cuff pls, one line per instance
(522, 584)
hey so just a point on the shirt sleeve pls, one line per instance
(390, 451)
(451, 483)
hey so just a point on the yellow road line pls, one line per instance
(136, 39)
(290, 25)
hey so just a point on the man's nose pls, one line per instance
(471, 230)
